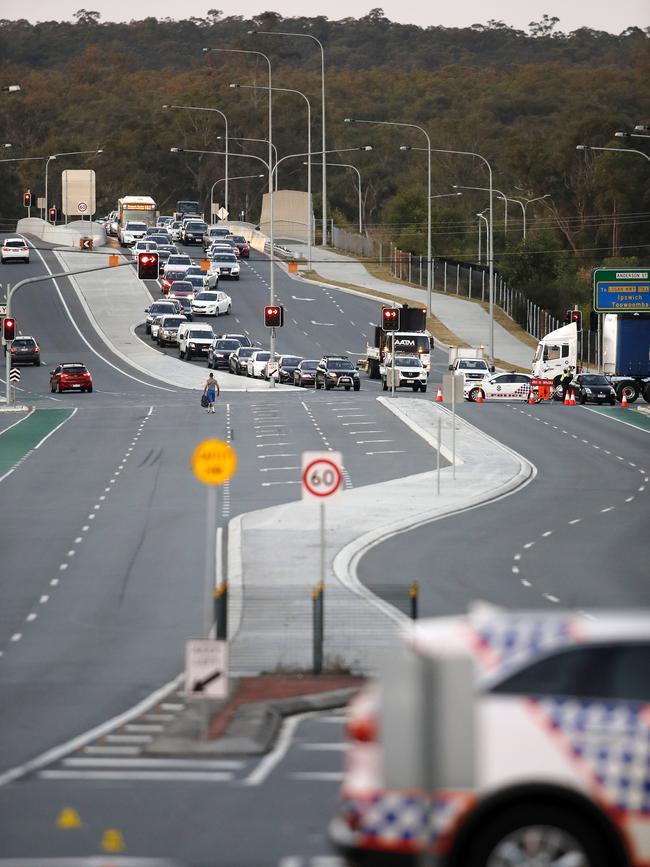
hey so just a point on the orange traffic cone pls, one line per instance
(567, 398)
(531, 398)
(479, 396)
(439, 395)
(572, 402)
(624, 400)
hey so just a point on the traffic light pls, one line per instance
(390, 318)
(27, 199)
(576, 316)
(593, 321)
(148, 266)
(52, 215)
(566, 317)
(9, 329)
(274, 316)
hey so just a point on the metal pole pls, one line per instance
(413, 596)
(457, 278)
(392, 365)
(47, 165)
(210, 556)
(324, 146)
(322, 541)
(469, 284)
(453, 425)
(438, 455)
(480, 236)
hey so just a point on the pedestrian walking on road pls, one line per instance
(211, 391)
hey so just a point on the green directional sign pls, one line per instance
(622, 290)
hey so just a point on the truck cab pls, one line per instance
(555, 352)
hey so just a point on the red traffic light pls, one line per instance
(52, 214)
(576, 316)
(274, 316)
(27, 199)
(9, 329)
(148, 266)
(390, 318)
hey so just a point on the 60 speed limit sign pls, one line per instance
(322, 475)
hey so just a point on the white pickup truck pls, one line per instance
(408, 372)
(470, 362)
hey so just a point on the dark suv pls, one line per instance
(25, 350)
(193, 232)
(337, 371)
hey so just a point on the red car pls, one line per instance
(169, 278)
(242, 245)
(71, 377)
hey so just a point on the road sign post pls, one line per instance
(322, 477)
(452, 392)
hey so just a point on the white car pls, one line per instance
(144, 247)
(225, 265)
(178, 262)
(502, 386)
(132, 232)
(408, 373)
(257, 362)
(167, 330)
(194, 338)
(543, 738)
(211, 304)
(210, 281)
(14, 249)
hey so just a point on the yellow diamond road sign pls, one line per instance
(214, 462)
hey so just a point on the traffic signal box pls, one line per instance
(27, 199)
(570, 316)
(148, 266)
(52, 215)
(274, 316)
(390, 318)
(8, 329)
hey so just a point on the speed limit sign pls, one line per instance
(322, 475)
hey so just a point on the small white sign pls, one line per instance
(206, 669)
(3, 309)
(222, 213)
(41, 203)
(322, 475)
(82, 207)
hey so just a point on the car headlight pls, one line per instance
(588, 391)
(332, 375)
(192, 345)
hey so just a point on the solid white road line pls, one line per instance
(338, 746)
(135, 776)
(111, 749)
(319, 776)
(279, 751)
(155, 763)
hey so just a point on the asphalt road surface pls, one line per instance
(102, 564)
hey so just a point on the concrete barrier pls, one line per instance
(63, 236)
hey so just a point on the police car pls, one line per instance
(502, 386)
(561, 734)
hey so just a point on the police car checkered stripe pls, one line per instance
(395, 819)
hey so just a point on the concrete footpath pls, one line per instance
(115, 300)
(274, 553)
(465, 318)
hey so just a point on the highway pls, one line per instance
(102, 562)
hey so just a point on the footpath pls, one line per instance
(467, 319)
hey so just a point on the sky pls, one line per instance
(596, 14)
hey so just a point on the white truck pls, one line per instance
(407, 372)
(470, 362)
(411, 339)
(625, 353)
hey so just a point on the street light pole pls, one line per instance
(309, 208)
(323, 137)
(490, 233)
(523, 205)
(428, 150)
(480, 233)
(260, 140)
(270, 167)
(354, 168)
(581, 147)
(225, 120)
(220, 180)
(500, 195)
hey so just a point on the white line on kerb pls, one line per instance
(279, 751)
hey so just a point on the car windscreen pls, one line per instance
(226, 344)
(175, 276)
(161, 307)
(309, 365)
(136, 227)
(182, 285)
(172, 321)
(335, 364)
(290, 361)
(195, 280)
(408, 362)
(15, 243)
(226, 257)
(196, 227)
(74, 369)
(180, 259)
(246, 351)
(206, 296)
(24, 341)
(195, 334)
(239, 239)
(468, 364)
(262, 356)
(594, 379)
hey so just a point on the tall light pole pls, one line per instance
(490, 233)
(225, 120)
(260, 140)
(220, 180)
(309, 208)
(481, 216)
(428, 150)
(500, 195)
(354, 169)
(523, 204)
(581, 147)
(66, 154)
(322, 80)
(270, 168)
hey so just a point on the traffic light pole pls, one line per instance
(8, 354)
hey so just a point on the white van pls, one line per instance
(194, 338)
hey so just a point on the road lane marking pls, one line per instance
(139, 776)
(319, 776)
(154, 763)
(279, 751)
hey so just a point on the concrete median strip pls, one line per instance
(274, 566)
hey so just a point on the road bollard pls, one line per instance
(220, 596)
(413, 600)
(317, 616)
